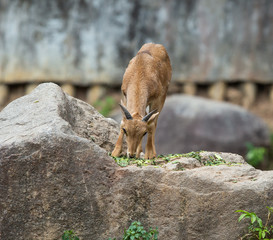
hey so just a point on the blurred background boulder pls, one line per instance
(189, 123)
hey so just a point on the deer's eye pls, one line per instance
(124, 131)
(144, 134)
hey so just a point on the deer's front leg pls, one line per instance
(139, 149)
(118, 148)
(150, 152)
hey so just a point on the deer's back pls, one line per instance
(149, 71)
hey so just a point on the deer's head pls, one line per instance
(136, 128)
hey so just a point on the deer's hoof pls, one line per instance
(150, 155)
(115, 153)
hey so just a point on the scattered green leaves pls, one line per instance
(195, 155)
(69, 235)
(124, 161)
(256, 229)
(137, 232)
(170, 157)
(214, 160)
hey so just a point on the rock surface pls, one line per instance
(53, 177)
(189, 123)
(49, 111)
(80, 41)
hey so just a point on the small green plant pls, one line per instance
(195, 155)
(256, 229)
(255, 155)
(105, 106)
(270, 152)
(137, 232)
(214, 160)
(69, 235)
(122, 161)
(166, 157)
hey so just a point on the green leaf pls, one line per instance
(218, 157)
(242, 211)
(241, 217)
(260, 235)
(270, 209)
(260, 222)
(253, 217)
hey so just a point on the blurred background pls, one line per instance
(220, 50)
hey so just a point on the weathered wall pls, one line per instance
(92, 41)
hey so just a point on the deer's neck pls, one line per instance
(137, 100)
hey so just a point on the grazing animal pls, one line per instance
(145, 83)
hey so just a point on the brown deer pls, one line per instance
(145, 83)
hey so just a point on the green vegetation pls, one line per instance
(105, 106)
(195, 155)
(69, 235)
(214, 160)
(124, 161)
(270, 153)
(137, 232)
(255, 155)
(256, 229)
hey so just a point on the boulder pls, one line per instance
(47, 110)
(189, 123)
(56, 174)
(48, 144)
(198, 203)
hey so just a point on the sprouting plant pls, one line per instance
(256, 229)
(137, 232)
(69, 235)
(255, 155)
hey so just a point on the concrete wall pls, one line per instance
(88, 42)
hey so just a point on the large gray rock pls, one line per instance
(192, 204)
(48, 111)
(189, 123)
(92, 41)
(48, 144)
(53, 177)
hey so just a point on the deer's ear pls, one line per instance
(147, 117)
(122, 103)
(152, 118)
